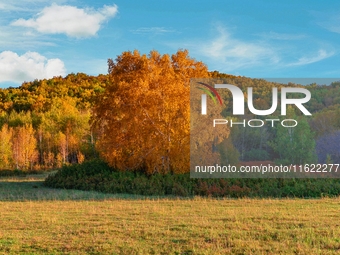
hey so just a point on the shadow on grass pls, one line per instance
(32, 189)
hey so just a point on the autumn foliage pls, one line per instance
(143, 117)
(44, 124)
(140, 111)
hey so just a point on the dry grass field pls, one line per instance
(39, 220)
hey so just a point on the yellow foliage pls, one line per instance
(143, 117)
(24, 147)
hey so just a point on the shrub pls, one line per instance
(97, 175)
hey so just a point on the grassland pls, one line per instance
(39, 220)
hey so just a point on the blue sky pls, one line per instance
(277, 39)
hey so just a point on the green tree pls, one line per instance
(228, 153)
(295, 145)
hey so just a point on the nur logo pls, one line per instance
(213, 95)
(238, 99)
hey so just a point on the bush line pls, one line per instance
(96, 175)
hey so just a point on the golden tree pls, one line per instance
(6, 154)
(24, 147)
(143, 116)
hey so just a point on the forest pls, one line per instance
(45, 124)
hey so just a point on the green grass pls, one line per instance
(30, 188)
(39, 220)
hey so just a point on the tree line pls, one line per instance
(137, 118)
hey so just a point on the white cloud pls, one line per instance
(282, 36)
(9, 7)
(69, 20)
(233, 53)
(26, 5)
(327, 20)
(322, 54)
(334, 28)
(15, 39)
(152, 30)
(226, 53)
(29, 66)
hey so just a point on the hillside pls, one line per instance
(45, 123)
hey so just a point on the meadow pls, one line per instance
(38, 220)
